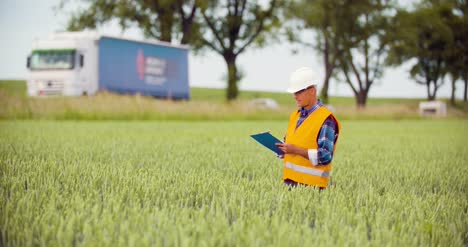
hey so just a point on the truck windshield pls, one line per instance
(52, 59)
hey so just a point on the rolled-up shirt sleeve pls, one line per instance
(326, 141)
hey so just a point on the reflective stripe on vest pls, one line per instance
(307, 170)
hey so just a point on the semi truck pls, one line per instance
(84, 63)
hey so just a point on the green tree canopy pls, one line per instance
(423, 36)
(167, 20)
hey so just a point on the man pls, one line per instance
(311, 135)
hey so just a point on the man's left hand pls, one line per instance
(292, 149)
(287, 148)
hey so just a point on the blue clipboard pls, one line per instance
(268, 140)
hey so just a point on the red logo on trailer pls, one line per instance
(141, 64)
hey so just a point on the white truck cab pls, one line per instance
(64, 64)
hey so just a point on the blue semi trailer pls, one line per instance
(83, 63)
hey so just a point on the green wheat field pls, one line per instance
(207, 183)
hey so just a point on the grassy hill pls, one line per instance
(205, 104)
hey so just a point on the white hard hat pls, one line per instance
(302, 78)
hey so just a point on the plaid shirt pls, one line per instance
(327, 136)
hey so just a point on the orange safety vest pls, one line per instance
(298, 168)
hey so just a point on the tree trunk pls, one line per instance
(166, 22)
(187, 24)
(361, 99)
(434, 91)
(326, 82)
(324, 90)
(465, 90)
(232, 90)
(187, 32)
(328, 69)
(430, 96)
(452, 96)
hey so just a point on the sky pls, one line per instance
(265, 69)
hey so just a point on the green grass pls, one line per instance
(141, 183)
(13, 87)
(218, 95)
(206, 104)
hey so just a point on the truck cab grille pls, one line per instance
(45, 88)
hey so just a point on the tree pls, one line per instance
(452, 14)
(462, 43)
(462, 7)
(457, 54)
(423, 36)
(164, 20)
(323, 17)
(350, 39)
(232, 26)
(362, 31)
(457, 60)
